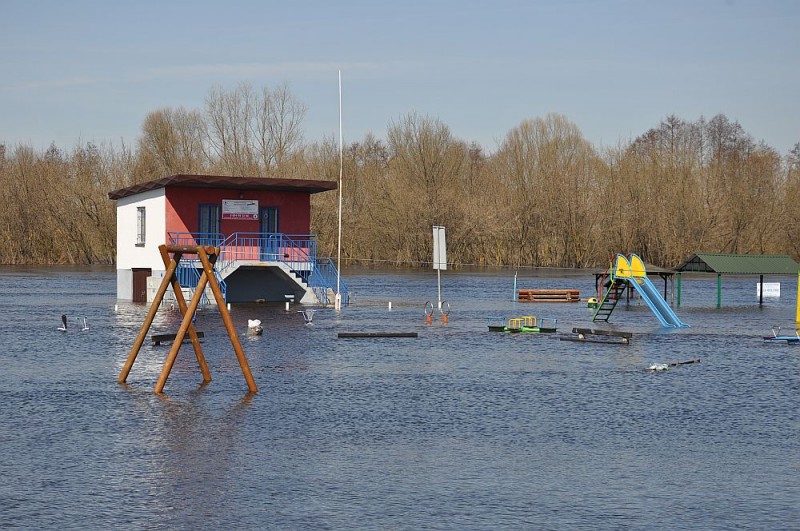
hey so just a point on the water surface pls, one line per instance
(459, 428)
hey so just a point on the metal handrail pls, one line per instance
(188, 271)
(297, 251)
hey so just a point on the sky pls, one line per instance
(82, 71)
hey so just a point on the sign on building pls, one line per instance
(239, 209)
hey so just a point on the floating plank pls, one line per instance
(161, 338)
(600, 332)
(376, 334)
(590, 339)
(687, 362)
(658, 367)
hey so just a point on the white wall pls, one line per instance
(129, 255)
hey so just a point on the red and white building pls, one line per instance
(261, 225)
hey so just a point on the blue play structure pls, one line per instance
(632, 273)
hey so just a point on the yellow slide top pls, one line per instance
(629, 269)
(623, 269)
(637, 267)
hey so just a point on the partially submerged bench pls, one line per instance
(596, 335)
(163, 338)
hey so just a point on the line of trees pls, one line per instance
(545, 197)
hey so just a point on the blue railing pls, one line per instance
(297, 252)
(323, 278)
(189, 270)
(188, 274)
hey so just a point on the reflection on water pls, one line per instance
(458, 428)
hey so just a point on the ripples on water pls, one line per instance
(459, 428)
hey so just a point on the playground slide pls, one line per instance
(651, 295)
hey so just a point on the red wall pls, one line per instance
(294, 209)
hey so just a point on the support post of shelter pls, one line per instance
(797, 311)
(719, 290)
(207, 256)
(679, 289)
(760, 290)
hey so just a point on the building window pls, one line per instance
(140, 226)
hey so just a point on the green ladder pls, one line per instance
(610, 299)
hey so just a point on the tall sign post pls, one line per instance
(439, 257)
(338, 300)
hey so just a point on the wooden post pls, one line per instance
(185, 324)
(137, 345)
(208, 270)
(179, 298)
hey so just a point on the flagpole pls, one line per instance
(338, 300)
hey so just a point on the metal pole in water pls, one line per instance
(439, 284)
(514, 295)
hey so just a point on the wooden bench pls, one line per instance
(163, 338)
(548, 295)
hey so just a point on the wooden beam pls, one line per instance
(208, 271)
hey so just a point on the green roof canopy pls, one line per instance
(752, 264)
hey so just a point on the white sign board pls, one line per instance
(771, 289)
(439, 249)
(239, 209)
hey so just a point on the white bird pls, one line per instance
(658, 367)
(254, 327)
(308, 315)
(63, 327)
(85, 326)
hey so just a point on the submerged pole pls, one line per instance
(514, 296)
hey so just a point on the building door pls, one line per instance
(140, 276)
(268, 227)
(208, 225)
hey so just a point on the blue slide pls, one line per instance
(656, 302)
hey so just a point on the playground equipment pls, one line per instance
(526, 324)
(632, 273)
(444, 309)
(776, 337)
(171, 256)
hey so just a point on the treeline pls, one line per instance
(545, 197)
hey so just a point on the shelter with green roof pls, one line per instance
(739, 264)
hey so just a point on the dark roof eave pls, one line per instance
(743, 264)
(229, 182)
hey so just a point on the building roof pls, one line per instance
(229, 182)
(753, 264)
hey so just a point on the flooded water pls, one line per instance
(459, 428)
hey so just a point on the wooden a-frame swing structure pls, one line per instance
(208, 256)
